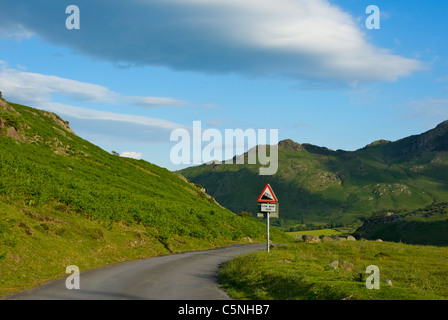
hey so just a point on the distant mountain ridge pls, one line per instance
(319, 185)
(434, 140)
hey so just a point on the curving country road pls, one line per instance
(185, 276)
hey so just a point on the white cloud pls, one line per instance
(301, 39)
(15, 31)
(131, 154)
(37, 88)
(155, 101)
(34, 87)
(89, 114)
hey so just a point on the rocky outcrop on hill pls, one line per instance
(7, 126)
(58, 120)
(13, 125)
(4, 105)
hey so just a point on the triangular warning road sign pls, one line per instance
(267, 195)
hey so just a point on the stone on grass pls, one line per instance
(311, 239)
(334, 264)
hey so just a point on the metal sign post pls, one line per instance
(268, 204)
(267, 222)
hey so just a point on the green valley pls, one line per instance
(320, 188)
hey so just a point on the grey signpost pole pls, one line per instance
(267, 222)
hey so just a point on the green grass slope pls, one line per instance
(323, 187)
(308, 271)
(65, 201)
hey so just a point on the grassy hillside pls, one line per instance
(329, 188)
(427, 226)
(65, 201)
(307, 271)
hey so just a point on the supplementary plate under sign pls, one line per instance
(268, 207)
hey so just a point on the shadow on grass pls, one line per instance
(281, 287)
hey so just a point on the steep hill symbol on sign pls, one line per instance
(267, 195)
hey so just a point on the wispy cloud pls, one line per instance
(15, 31)
(38, 88)
(131, 154)
(90, 114)
(300, 39)
(149, 102)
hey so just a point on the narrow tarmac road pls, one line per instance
(185, 276)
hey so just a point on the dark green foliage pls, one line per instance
(428, 226)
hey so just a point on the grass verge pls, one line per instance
(304, 271)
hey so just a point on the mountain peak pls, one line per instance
(380, 142)
(443, 125)
(290, 144)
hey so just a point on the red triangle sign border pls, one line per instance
(268, 186)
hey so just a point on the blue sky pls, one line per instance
(138, 69)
